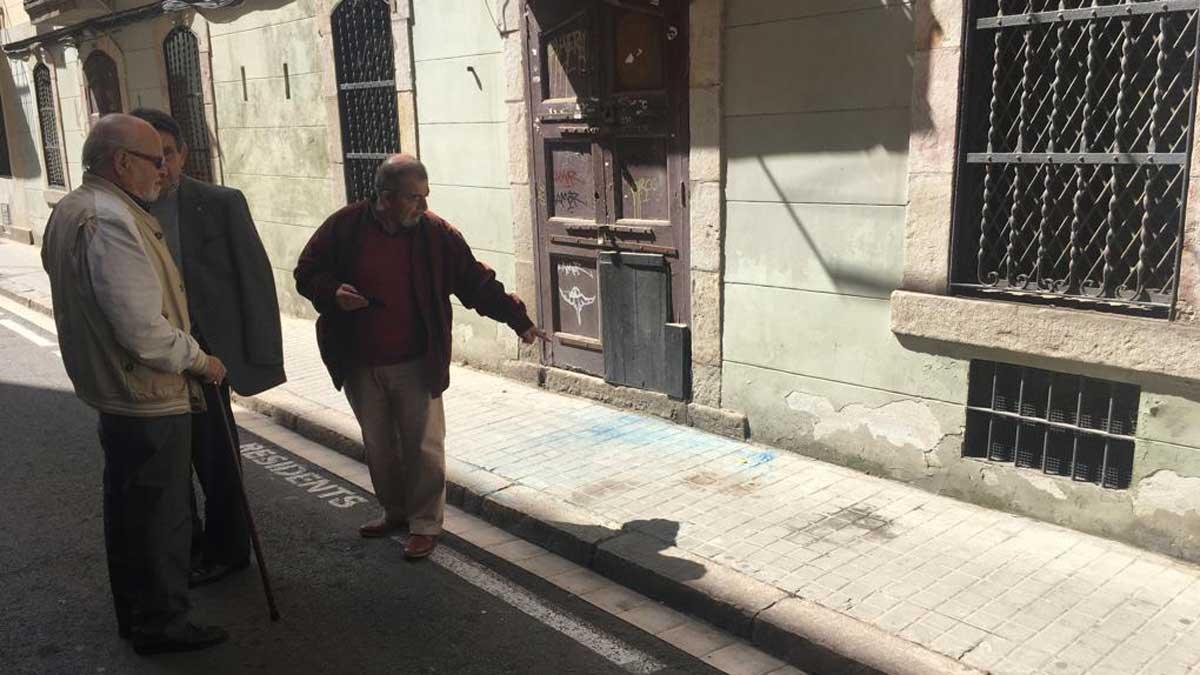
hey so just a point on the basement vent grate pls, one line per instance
(1055, 423)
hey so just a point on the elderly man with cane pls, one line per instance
(381, 272)
(235, 315)
(122, 318)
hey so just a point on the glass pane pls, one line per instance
(572, 183)
(639, 51)
(643, 171)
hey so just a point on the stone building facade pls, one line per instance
(810, 251)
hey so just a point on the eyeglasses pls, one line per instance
(156, 161)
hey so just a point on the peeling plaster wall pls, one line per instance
(834, 198)
(815, 208)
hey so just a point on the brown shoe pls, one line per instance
(419, 546)
(380, 527)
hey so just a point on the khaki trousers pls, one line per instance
(404, 431)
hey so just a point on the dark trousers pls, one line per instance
(146, 526)
(224, 536)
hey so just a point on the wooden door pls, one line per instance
(608, 95)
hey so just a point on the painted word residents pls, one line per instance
(299, 475)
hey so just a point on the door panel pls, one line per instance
(638, 58)
(642, 172)
(572, 180)
(608, 83)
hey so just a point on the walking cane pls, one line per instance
(237, 462)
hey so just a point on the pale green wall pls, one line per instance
(140, 62)
(16, 92)
(817, 120)
(275, 149)
(816, 130)
(463, 139)
(32, 206)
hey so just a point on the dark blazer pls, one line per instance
(230, 285)
(442, 264)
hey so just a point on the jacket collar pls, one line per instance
(91, 180)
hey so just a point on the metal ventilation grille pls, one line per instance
(1075, 150)
(1059, 424)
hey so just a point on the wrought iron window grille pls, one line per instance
(43, 91)
(1074, 148)
(1058, 424)
(366, 78)
(181, 53)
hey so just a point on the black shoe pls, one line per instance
(187, 639)
(213, 572)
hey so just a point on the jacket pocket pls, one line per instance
(147, 384)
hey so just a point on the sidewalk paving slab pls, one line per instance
(814, 563)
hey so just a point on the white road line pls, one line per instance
(27, 334)
(620, 653)
(477, 575)
(33, 316)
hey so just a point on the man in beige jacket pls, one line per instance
(122, 317)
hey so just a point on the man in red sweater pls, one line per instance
(380, 273)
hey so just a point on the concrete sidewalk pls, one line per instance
(817, 564)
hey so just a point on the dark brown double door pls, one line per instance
(608, 88)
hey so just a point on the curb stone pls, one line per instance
(23, 299)
(792, 629)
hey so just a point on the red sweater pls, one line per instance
(391, 330)
(442, 264)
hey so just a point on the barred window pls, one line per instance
(103, 84)
(364, 60)
(5, 162)
(48, 120)
(1059, 424)
(1074, 149)
(181, 55)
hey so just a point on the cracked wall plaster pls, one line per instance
(1167, 491)
(903, 423)
(1051, 486)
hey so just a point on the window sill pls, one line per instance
(1063, 339)
(53, 195)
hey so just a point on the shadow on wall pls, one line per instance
(799, 61)
(22, 147)
(233, 14)
(829, 130)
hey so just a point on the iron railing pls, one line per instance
(181, 52)
(1074, 148)
(43, 91)
(1055, 423)
(366, 77)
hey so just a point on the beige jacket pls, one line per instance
(120, 305)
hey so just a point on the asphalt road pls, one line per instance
(348, 605)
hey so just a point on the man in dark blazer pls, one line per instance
(235, 315)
